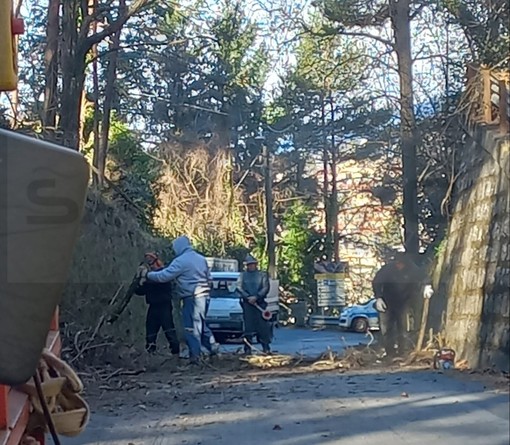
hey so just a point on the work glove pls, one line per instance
(141, 274)
(428, 291)
(380, 305)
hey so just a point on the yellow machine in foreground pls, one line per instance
(10, 28)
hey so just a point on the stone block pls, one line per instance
(501, 304)
(474, 305)
(495, 250)
(491, 273)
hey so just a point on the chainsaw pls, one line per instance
(135, 282)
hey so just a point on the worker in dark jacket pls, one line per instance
(253, 286)
(397, 286)
(192, 279)
(159, 314)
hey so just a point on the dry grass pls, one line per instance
(197, 196)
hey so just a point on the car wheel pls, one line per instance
(360, 325)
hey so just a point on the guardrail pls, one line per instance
(488, 93)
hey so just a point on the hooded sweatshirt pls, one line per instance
(189, 269)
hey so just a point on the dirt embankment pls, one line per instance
(110, 247)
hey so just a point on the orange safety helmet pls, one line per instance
(153, 260)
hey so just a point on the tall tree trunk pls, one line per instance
(400, 20)
(300, 173)
(76, 44)
(71, 103)
(50, 104)
(84, 107)
(14, 108)
(73, 75)
(95, 83)
(334, 184)
(14, 102)
(111, 74)
(270, 229)
(325, 188)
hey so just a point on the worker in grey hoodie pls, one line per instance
(253, 286)
(192, 278)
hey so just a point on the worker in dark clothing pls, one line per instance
(192, 279)
(253, 286)
(159, 314)
(397, 286)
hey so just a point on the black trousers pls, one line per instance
(393, 325)
(159, 316)
(255, 325)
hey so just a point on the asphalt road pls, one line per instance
(378, 407)
(309, 342)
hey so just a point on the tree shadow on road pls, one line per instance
(329, 408)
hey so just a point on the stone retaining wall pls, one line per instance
(473, 270)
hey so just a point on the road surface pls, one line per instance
(309, 342)
(380, 407)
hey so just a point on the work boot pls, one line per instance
(151, 348)
(215, 349)
(266, 349)
(184, 353)
(247, 350)
(194, 362)
(191, 365)
(215, 346)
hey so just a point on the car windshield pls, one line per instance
(225, 288)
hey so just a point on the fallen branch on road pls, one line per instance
(354, 358)
(271, 361)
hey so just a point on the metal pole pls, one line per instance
(268, 182)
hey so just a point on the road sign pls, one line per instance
(330, 289)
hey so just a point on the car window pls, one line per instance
(224, 288)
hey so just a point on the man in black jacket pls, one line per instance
(159, 314)
(397, 287)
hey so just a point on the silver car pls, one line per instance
(225, 315)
